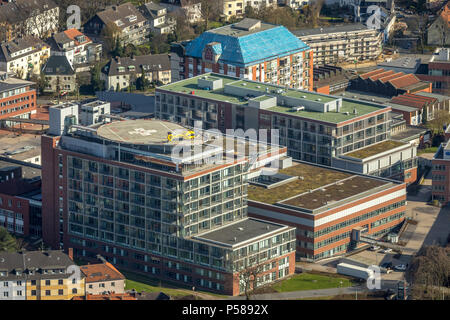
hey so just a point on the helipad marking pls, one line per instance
(142, 132)
(115, 134)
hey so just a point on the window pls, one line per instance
(47, 282)
(33, 282)
(74, 290)
(33, 292)
(60, 281)
(60, 292)
(47, 292)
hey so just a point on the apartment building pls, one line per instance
(91, 112)
(38, 275)
(59, 75)
(189, 9)
(314, 127)
(123, 190)
(17, 97)
(389, 158)
(124, 21)
(38, 18)
(120, 73)
(159, 20)
(77, 47)
(236, 8)
(23, 56)
(438, 32)
(249, 49)
(294, 4)
(327, 206)
(20, 203)
(346, 43)
(102, 279)
(438, 71)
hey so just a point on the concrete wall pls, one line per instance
(138, 102)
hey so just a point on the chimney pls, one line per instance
(70, 253)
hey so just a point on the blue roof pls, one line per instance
(248, 49)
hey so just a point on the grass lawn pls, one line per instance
(427, 150)
(143, 283)
(310, 281)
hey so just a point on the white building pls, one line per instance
(191, 9)
(23, 56)
(78, 48)
(160, 21)
(91, 112)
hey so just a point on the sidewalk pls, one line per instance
(305, 294)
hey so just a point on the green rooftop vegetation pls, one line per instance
(332, 117)
(188, 86)
(313, 177)
(375, 149)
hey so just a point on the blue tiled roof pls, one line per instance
(249, 49)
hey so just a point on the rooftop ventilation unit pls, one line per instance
(298, 108)
(244, 84)
(241, 229)
(304, 97)
(258, 87)
(318, 99)
(346, 113)
(355, 111)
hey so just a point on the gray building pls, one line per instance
(342, 43)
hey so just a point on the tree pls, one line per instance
(96, 82)
(41, 82)
(7, 242)
(441, 119)
(429, 272)
(112, 42)
(248, 278)
(142, 83)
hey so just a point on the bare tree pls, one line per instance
(441, 119)
(38, 23)
(248, 278)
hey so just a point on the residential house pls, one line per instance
(438, 33)
(37, 18)
(159, 20)
(76, 47)
(236, 8)
(60, 75)
(294, 4)
(106, 297)
(23, 56)
(119, 73)
(39, 275)
(103, 278)
(124, 21)
(190, 9)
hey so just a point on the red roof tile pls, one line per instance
(101, 272)
(371, 73)
(381, 75)
(404, 81)
(390, 77)
(112, 296)
(413, 100)
(72, 33)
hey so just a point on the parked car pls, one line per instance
(400, 267)
(387, 265)
(374, 248)
(387, 250)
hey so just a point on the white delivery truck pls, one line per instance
(354, 271)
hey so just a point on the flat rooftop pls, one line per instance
(316, 187)
(351, 27)
(243, 231)
(411, 132)
(139, 131)
(190, 87)
(402, 62)
(375, 149)
(28, 172)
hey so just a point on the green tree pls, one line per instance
(7, 242)
(142, 83)
(96, 83)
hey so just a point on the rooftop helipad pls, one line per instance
(144, 132)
